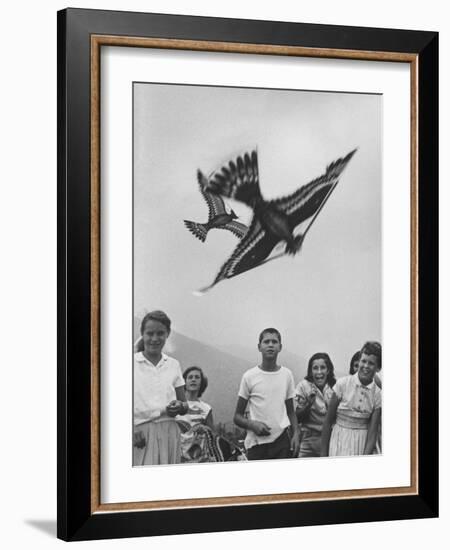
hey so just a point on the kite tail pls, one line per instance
(200, 230)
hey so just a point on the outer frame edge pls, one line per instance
(428, 159)
(424, 505)
(61, 278)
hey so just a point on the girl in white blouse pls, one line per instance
(354, 412)
(158, 396)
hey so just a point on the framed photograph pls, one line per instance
(247, 224)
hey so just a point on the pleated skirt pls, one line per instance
(347, 441)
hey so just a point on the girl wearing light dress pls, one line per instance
(196, 426)
(354, 412)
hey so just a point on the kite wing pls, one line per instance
(215, 202)
(237, 228)
(253, 249)
(238, 179)
(307, 201)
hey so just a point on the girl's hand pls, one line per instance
(173, 408)
(304, 406)
(311, 399)
(260, 428)
(176, 407)
(139, 439)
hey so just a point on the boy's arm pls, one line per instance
(260, 428)
(327, 425)
(372, 432)
(295, 443)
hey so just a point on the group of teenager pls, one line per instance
(321, 416)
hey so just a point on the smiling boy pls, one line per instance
(268, 392)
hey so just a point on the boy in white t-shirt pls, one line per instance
(268, 390)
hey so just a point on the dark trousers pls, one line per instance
(280, 448)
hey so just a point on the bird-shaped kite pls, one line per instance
(273, 221)
(218, 217)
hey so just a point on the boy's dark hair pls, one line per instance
(331, 379)
(204, 379)
(269, 330)
(354, 358)
(156, 315)
(373, 348)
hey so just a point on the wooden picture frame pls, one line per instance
(81, 36)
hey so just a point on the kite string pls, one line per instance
(322, 204)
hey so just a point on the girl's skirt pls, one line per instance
(162, 443)
(349, 435)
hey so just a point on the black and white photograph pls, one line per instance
(257, 276)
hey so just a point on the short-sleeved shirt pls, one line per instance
(266, 393)
(318, 410)
(154, 387)
(356, 399)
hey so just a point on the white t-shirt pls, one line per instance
(154, 387)
(267, 392)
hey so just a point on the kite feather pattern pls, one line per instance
(218, 217)
(273, 221)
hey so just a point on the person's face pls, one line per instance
(270, 345)
(154, 337)
(319, 372)
(355, 366)
(368, 366)
(193, 381)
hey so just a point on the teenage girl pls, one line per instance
(354, 411)
(313, 395)
(194, 436)
(158, 396)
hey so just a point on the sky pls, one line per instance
(327, 297)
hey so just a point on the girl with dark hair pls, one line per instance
(197, 438)
(354, 412)
(195, 384)
(354, 362)
(313, 395)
